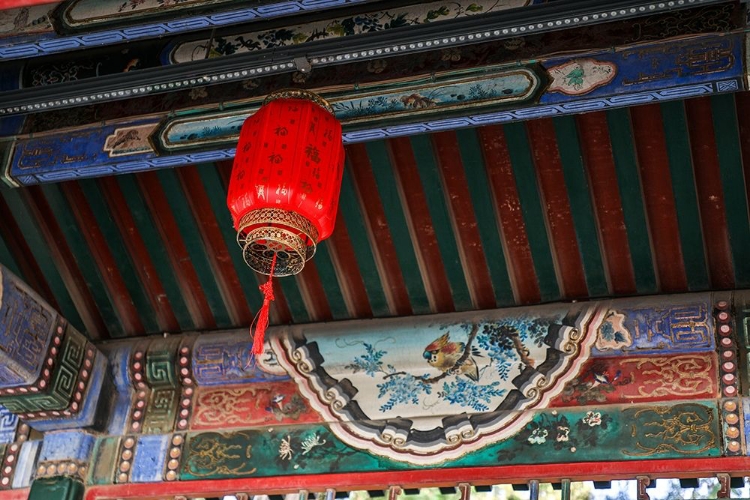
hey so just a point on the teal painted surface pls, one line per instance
(735, 199)
(628, 180)
(394, 213)
(531, 206)
(486, 217)
(441, 221)
(685, 196)
(581, 208)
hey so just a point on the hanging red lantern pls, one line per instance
(285, 184)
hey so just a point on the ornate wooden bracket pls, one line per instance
(643, 483)
(725, 490)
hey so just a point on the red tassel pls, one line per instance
(261, 319)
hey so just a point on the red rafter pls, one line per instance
(187, 278)
(600, 166)
(136, 247)
(465, 228)
(31, 272)
(378, 232)
(216, 250)
(420, 225)
(64, 261)
(347, 270)
(103, 258)
(512, 227)
(313, 293)
(567, 255)
(710, 192)
(648, 132)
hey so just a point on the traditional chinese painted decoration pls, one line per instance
(285, 184)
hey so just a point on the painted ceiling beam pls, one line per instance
(323, 53)
(625, 76)
(86, 33)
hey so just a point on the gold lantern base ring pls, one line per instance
(270, 232)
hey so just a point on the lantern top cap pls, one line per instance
(299, 94)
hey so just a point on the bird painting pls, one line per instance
(445, 355)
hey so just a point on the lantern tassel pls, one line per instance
(261, 319)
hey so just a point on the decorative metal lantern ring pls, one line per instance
(270, 231)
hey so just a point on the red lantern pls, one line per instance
(285, 184)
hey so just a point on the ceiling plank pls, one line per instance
(648, 132)
(508, 205)
(556, 204)
(599, 162)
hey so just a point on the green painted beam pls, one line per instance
(157, 251)
(481, 199)
(628, 181)
(685, 195)
(191, 236)
(42, 255)
(330, 283)
(581, 208)
(7, 260)
(531, 207)
(83, 257)
(56, 488)
(217, 195)
(434, 192)
(394, 213)
(726, 131)
(109, 230)
(355, 226)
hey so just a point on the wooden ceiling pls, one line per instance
(650, 199)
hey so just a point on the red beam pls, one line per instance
(103, 259)
(420, 225)
(136, 247)
(556, 204)
(600, 166)
(465, 227)
(216, 250)
(710, 192)
(313, 293)
(378, 231)
(187, 278)
(510, 216)
(511, 474)
(347, 270)
(651, 146)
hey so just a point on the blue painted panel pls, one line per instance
(148, 462)
(119, 356)
(224, 360)
(119, 416)
(26, 325)
(746, 409)
(86, 415)
(26, 463)
(8, 425)
(67, 445)
(46, 155)
(648, 326)
(369, 134)
(646, 67)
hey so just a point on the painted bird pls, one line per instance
(444, 355)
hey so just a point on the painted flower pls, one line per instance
(538, 436)
(377, 66)
(285, 448)
(562, 433)
(593, 418)
(198, 93)
(299, 77)
(451, 55)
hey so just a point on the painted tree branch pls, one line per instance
(459, 362)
